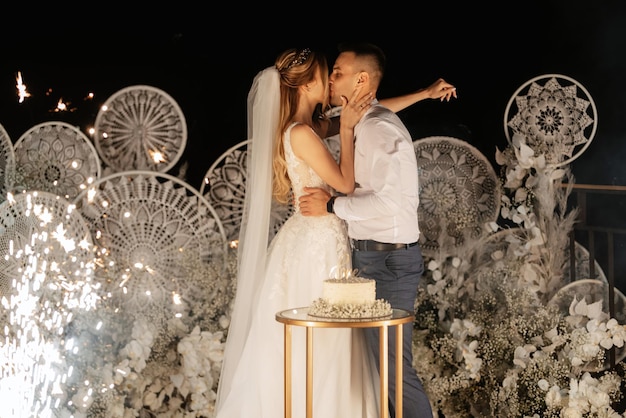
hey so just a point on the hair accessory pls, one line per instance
(301, 58)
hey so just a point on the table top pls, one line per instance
(301, 317)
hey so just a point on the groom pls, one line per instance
(382, 211)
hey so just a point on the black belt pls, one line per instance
(371, 245)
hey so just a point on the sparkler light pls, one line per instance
(21, 88)
(63, 106)
(43, 290)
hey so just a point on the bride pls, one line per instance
(286, 154)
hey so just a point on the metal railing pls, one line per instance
(601, 229)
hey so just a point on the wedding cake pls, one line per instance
(349, 297)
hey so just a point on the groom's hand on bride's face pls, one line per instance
(313, 203)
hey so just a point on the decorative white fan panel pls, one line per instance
(140, 128)
(7, 164)
(555, 115)
(224, 186)
(459, 191)
(150, 229)
(55, 157)
(41, 232)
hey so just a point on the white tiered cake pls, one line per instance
(349, 297)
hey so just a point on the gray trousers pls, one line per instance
(397, 274)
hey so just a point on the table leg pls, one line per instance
(399, 361)
(383, 338)
(309, 372)
(287, 371)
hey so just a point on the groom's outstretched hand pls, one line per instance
(313, 203)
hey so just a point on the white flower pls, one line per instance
(617, 331)
(554, 396)
(224, 321)
(522, 355)
(571, 412)
(433, 265)
(580, 307)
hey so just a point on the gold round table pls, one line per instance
(300, 317)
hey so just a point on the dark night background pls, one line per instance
(206, 61)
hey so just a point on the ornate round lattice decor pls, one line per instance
(459, 192)
(555, 115)
(7, 163)
(224, 187)
(153, 232)
(333, 143)
(140, 128)
(55, 157)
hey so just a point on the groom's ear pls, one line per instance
(362, 77)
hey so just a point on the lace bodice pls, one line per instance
(300, 174)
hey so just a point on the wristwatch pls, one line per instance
(330, 205)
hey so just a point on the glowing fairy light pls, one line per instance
(91, 193)
(21, 88)
(157, 156)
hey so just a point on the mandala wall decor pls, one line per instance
(459, 191)
(555, 115)
(333, 143)
(140, 128)
(224, 187)
(55, 157)
(151, 230)
(7, 163)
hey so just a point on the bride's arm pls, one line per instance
(440, 89)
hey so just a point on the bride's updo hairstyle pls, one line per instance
(296, 67)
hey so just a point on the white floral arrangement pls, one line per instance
(377, 309)
(487, 342)
(121, 360)
(169, 363)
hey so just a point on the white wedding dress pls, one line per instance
(345, 381)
